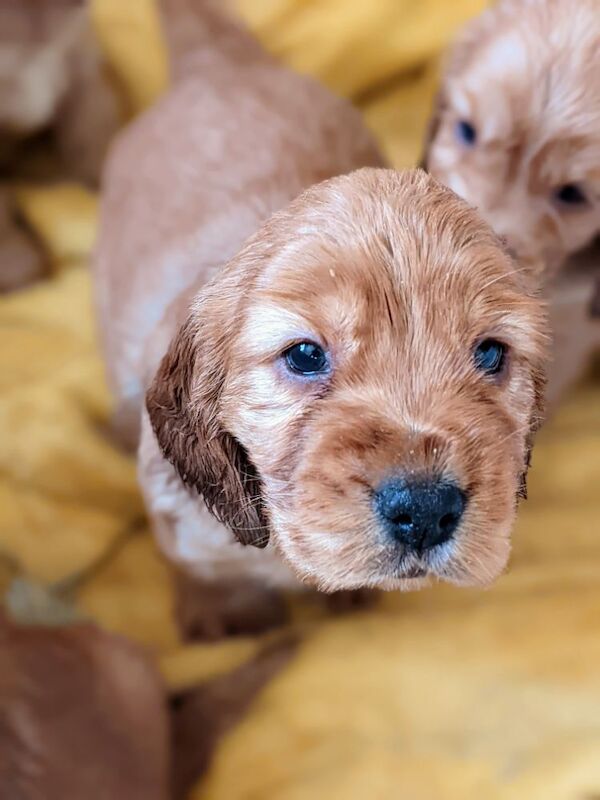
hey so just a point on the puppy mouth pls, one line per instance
(414, 572)
(413, 565)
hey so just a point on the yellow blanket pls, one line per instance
(445, 694)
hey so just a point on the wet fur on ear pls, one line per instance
(522, 490)
(535, 423)
(183, 403)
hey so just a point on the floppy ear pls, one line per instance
(184, 404)
(522, 490)
(432, 128)
(535, 422)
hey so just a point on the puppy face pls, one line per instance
(517, 129)
(361, 383)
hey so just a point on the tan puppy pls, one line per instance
(53, 79)
(516, 132)
(82, 714)
(517, 127)
(355, 388)
(58, 111)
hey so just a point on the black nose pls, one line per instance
(420, 514)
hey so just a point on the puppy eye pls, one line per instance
(490, 356)
(465, 132)
(570, 195)
(306, 358)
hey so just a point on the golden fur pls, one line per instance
(391, 273)
(399, 280)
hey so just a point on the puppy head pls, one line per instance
(361, 383)
(516, 131)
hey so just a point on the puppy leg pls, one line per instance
(124, 426)
(21, 260)
(576, 334)
(202, 716)
(352, 600)
(212, 610)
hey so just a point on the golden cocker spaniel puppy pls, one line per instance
(350, 383)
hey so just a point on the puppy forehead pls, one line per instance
(347, 294)
(322, 292)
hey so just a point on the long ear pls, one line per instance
(535, 423)
(432, 128)
(184, 404)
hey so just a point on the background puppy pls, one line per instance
(82, 714)
(53, 80)
(356, 390)
(516, 132)
(58, 111)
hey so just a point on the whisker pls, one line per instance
(518, 432)
(498, 278)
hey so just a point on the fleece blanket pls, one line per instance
(442, 695)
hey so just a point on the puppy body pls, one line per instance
(236, 138)
(575, 331)
(389, 276)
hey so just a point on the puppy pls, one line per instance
(353, 390)
(82, 714)
(52, 79)
(516, 132)
(57, 113)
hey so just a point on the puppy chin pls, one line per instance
(335, 579)
(477, 561)
(323, 575)
(472, 560)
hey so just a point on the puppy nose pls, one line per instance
(420, 514)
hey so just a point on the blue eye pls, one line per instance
(490, 356)
(306, 358)
(570, 195)
(465, 132)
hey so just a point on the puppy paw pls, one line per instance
(209, 611)
(351, 600)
